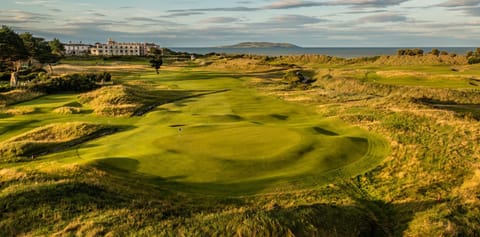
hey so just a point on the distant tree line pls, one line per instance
(421, 52)
(410, 52)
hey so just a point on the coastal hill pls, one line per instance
(261, 45)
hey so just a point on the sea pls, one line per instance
(338, 52)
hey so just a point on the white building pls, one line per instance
(112, 48)
(77, 48)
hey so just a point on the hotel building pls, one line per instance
(112, 48)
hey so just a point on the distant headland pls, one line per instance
(261, 45)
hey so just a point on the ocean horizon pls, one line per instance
(343, 52)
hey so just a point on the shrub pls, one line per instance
(474, 60)
(73, 82)
(410, 52)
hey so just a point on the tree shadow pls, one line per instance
(17, 125)
(123, 188)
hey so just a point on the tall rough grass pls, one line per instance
(48, 138)
(429, 183)
(17, 96)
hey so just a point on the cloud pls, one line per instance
(182, 14)
(296, 19)
(35, 2)
(282, 23)
(459, 3)
(219, 20)
(291, 4)
(288, 4)
(370, 3)
(144, 20)
(470, 7)
(473, 11)
(19, 16)
(365, 12)
(223, 9)
(383, 18)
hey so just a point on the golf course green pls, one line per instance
(231, 141)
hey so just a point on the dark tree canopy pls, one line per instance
(410, 52)
(38, 48)
(57, 47)
(15, 48)
(12, 48)
(435, 52)
(156, 60)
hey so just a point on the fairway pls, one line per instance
(232, 141)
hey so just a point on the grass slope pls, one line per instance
(50, 138)
(240, 163)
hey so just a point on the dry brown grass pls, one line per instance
(421, 60)
(118, 100)
(19, 111)
(70, 68)
(17, 96)
(51, 137)
(67, 110)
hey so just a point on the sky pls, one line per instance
(307, 23)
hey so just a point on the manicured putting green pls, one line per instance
(232, 143)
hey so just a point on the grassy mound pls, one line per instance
(17, 96)
(49, 138)
(19, 111)
(67, 110)
(128, 100)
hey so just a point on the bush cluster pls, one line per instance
(473, 57)
(73, 82)
(410, 52)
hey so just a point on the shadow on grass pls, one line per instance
(122, 195)
(32, 151)
(472, 110)
(16, 126)
(178, 98)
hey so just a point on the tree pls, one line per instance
(12, 51)
(40, 50)
(418, 51)
(57, 47)
(57, 52)
(435, 52)
(156, 60)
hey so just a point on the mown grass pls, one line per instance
(146, 181)
(179, 167)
